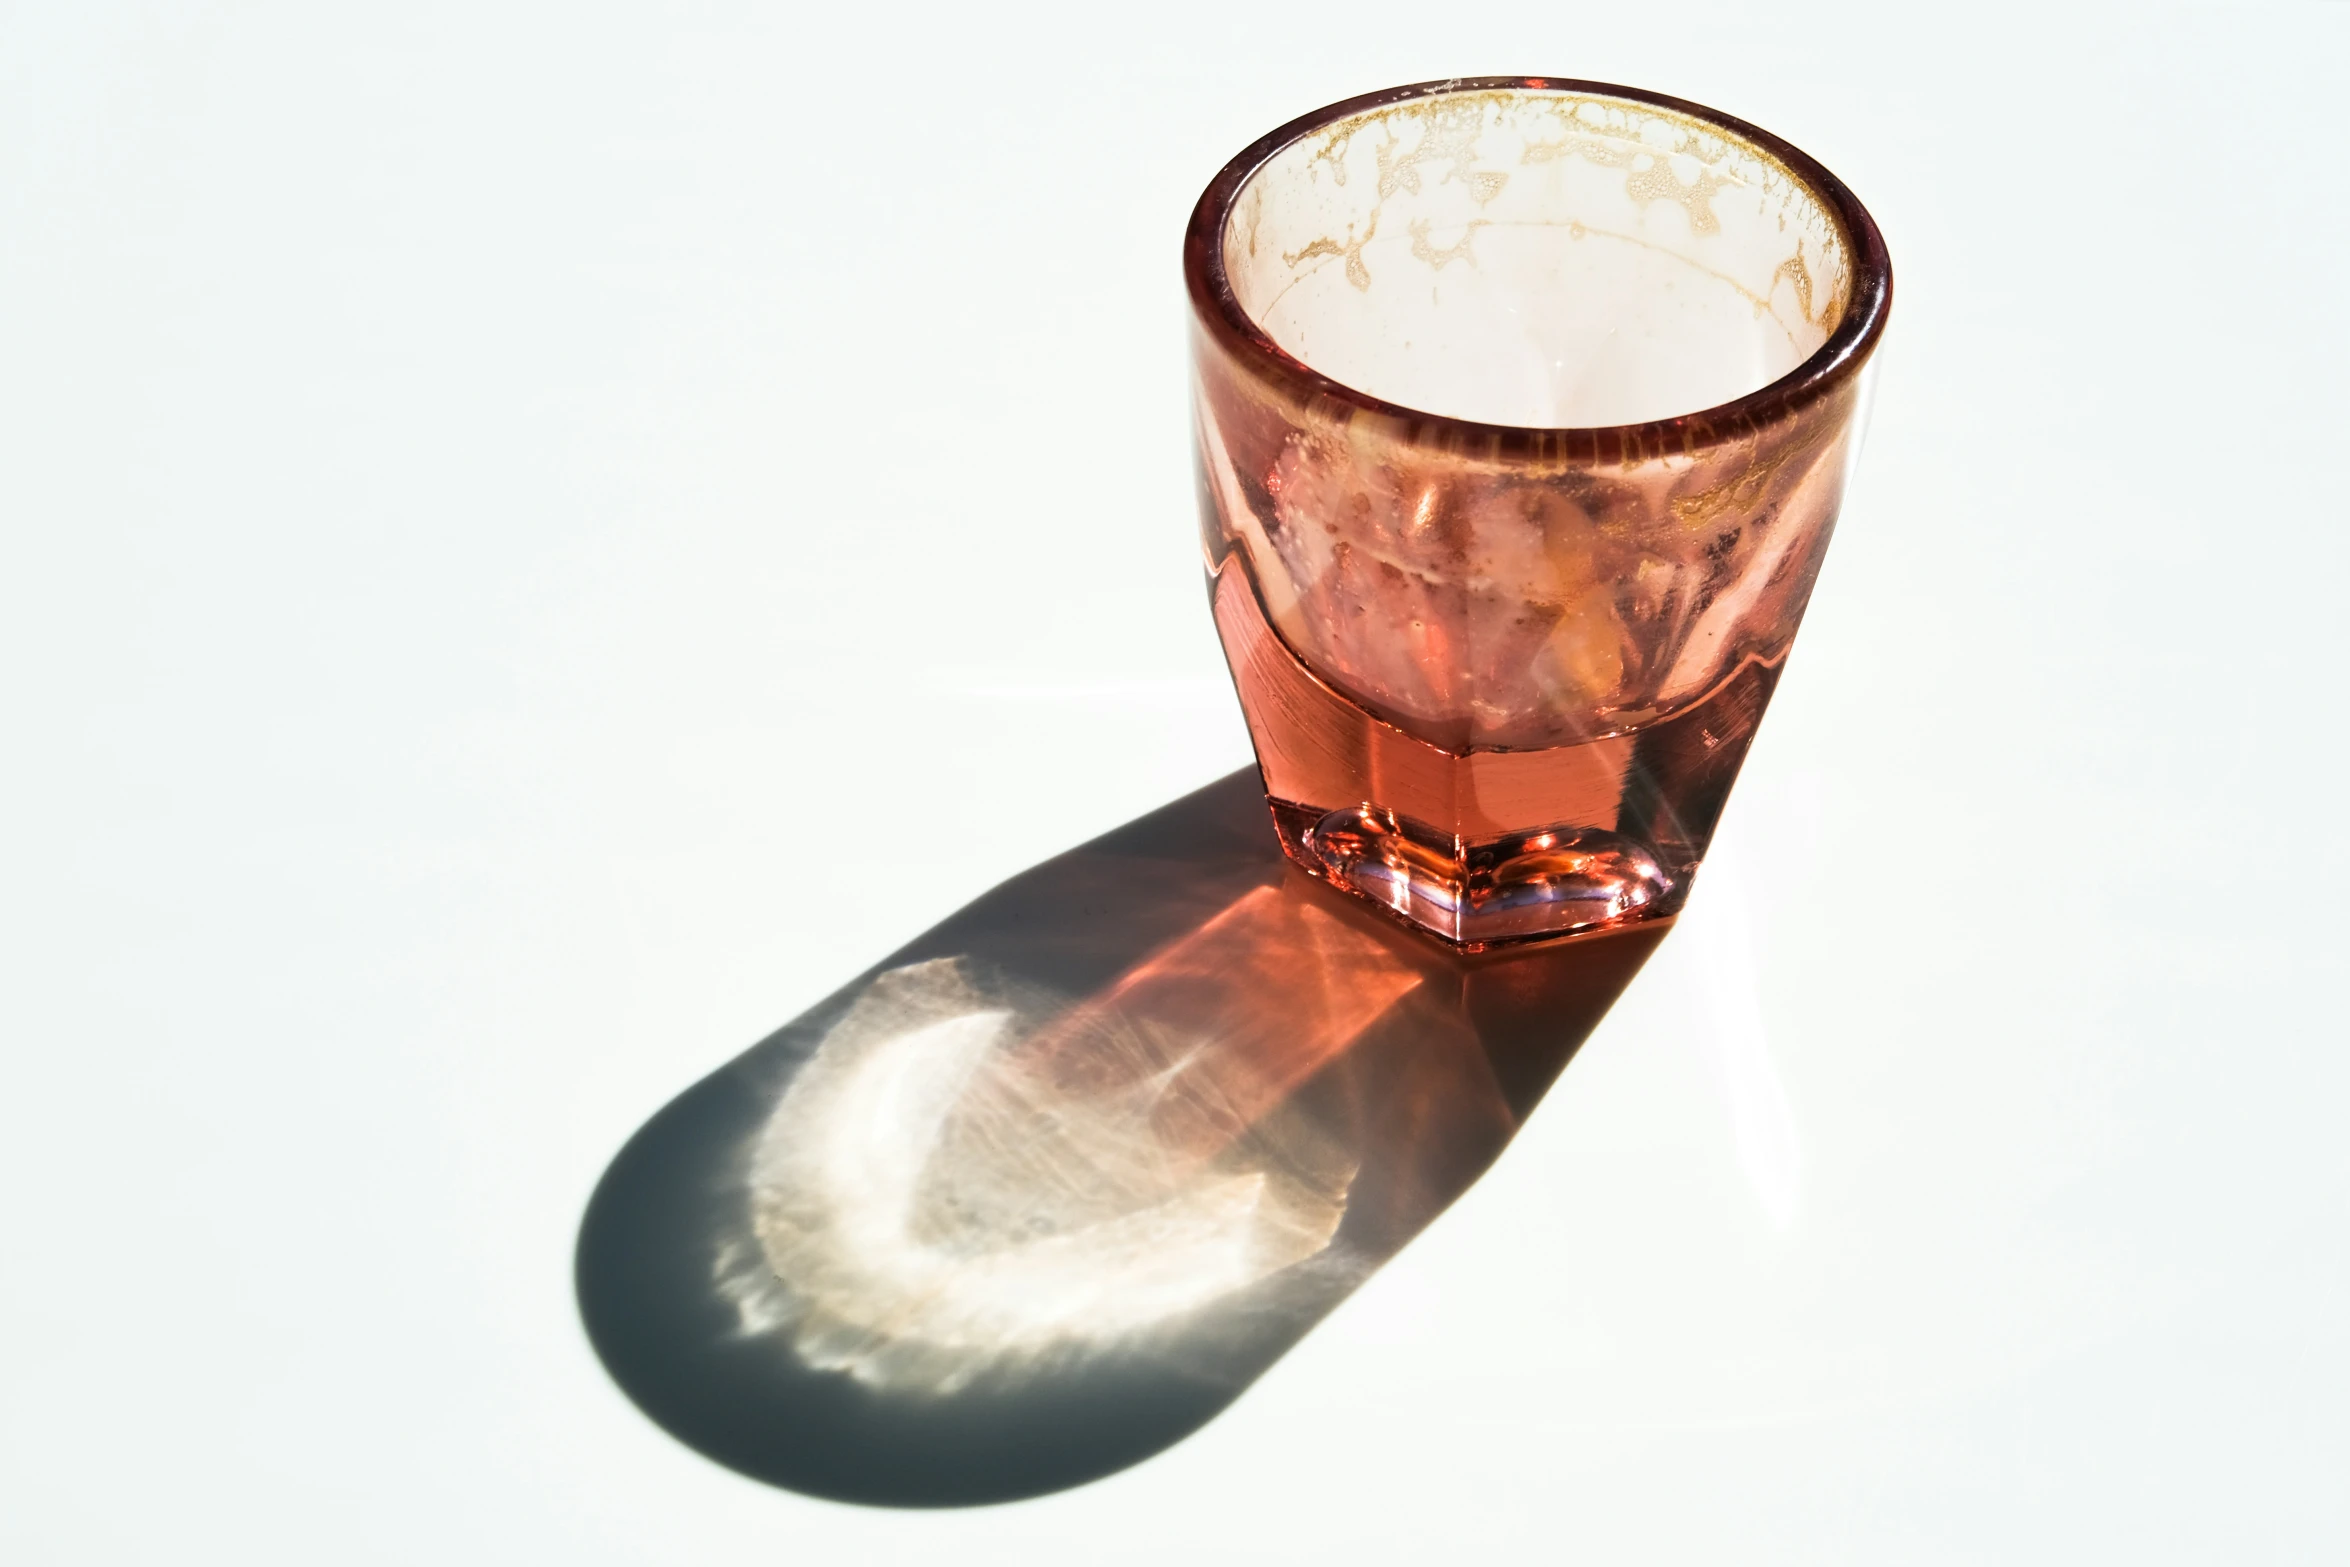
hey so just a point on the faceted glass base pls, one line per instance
(1553, 882)
(1484, 847)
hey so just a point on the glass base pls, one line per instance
(1556, 881)
(1485, 847)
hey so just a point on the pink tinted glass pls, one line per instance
(1525, 410)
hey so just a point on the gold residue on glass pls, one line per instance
(1589, 148)
(1641, 140)
(1453, 129)
(1796, 273)
(1657, 182)
(1764, 458)
(1335, 146)
(1424, 249)
(1352, 249)
(1449, 135)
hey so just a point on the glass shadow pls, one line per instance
(1043, 1192)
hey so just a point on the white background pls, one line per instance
(540, 541)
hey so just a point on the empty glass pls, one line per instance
(1525, 408)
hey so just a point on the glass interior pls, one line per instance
(1537, 258)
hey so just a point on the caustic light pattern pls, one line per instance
(965, 1180)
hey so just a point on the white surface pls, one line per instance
(503, 508)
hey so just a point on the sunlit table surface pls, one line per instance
(541, 544)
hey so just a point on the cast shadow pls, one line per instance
(1041, 1194)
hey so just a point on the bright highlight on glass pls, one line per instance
(1525, 410)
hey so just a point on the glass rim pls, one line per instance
(1830, 367)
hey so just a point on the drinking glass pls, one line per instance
(1524, 410)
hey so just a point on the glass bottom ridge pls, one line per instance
(1544, 884)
